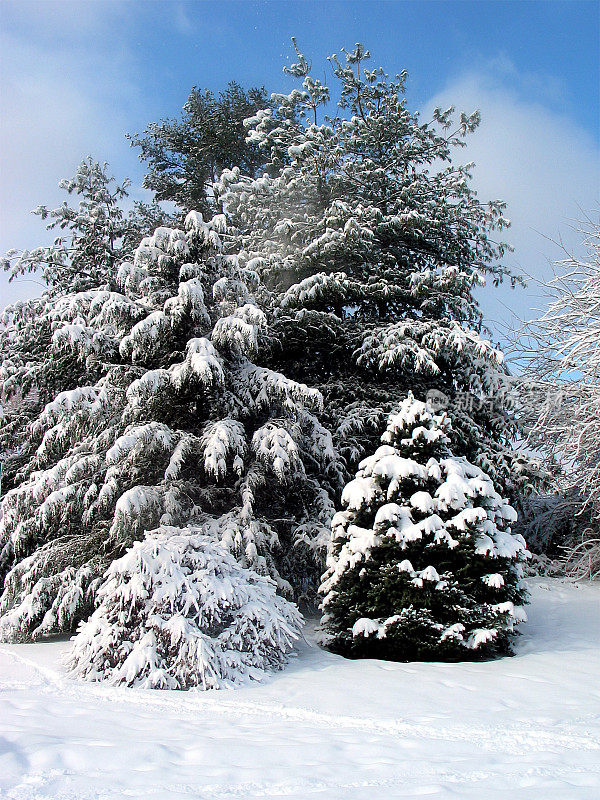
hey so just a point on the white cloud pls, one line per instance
(68, 18)
(541, 163)
(181, 20)
(60, 102)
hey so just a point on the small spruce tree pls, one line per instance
(422, 564)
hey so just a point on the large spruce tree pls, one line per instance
(180, 425)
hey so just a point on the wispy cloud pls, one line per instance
(59, 104)
(181, 20)
(501, 73)
(69, 19)
(541, 163)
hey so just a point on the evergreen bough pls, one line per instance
(186, 156)
(422, 564)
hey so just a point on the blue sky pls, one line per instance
(75, 76)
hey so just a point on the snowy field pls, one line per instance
(518, 728)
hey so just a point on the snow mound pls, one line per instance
(178, 611)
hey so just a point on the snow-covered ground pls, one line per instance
(518, 728)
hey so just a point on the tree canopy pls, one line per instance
(185, 157)
(373, 241)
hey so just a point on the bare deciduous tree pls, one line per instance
(562, 349)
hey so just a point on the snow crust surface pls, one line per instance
(522, 728)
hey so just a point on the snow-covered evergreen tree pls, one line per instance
(89, 241)
(422, 564)
(184, 157)
(94, 236)
(178, 611)
(181, 425)
(373, 241)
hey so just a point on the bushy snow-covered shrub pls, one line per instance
(178, 611)
(422, 564)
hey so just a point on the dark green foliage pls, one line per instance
(185, 157)
(423, 565)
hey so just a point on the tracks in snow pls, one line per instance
(511, 738)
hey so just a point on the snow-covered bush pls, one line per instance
(178, 611)
(546, 522)
(423, 564)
